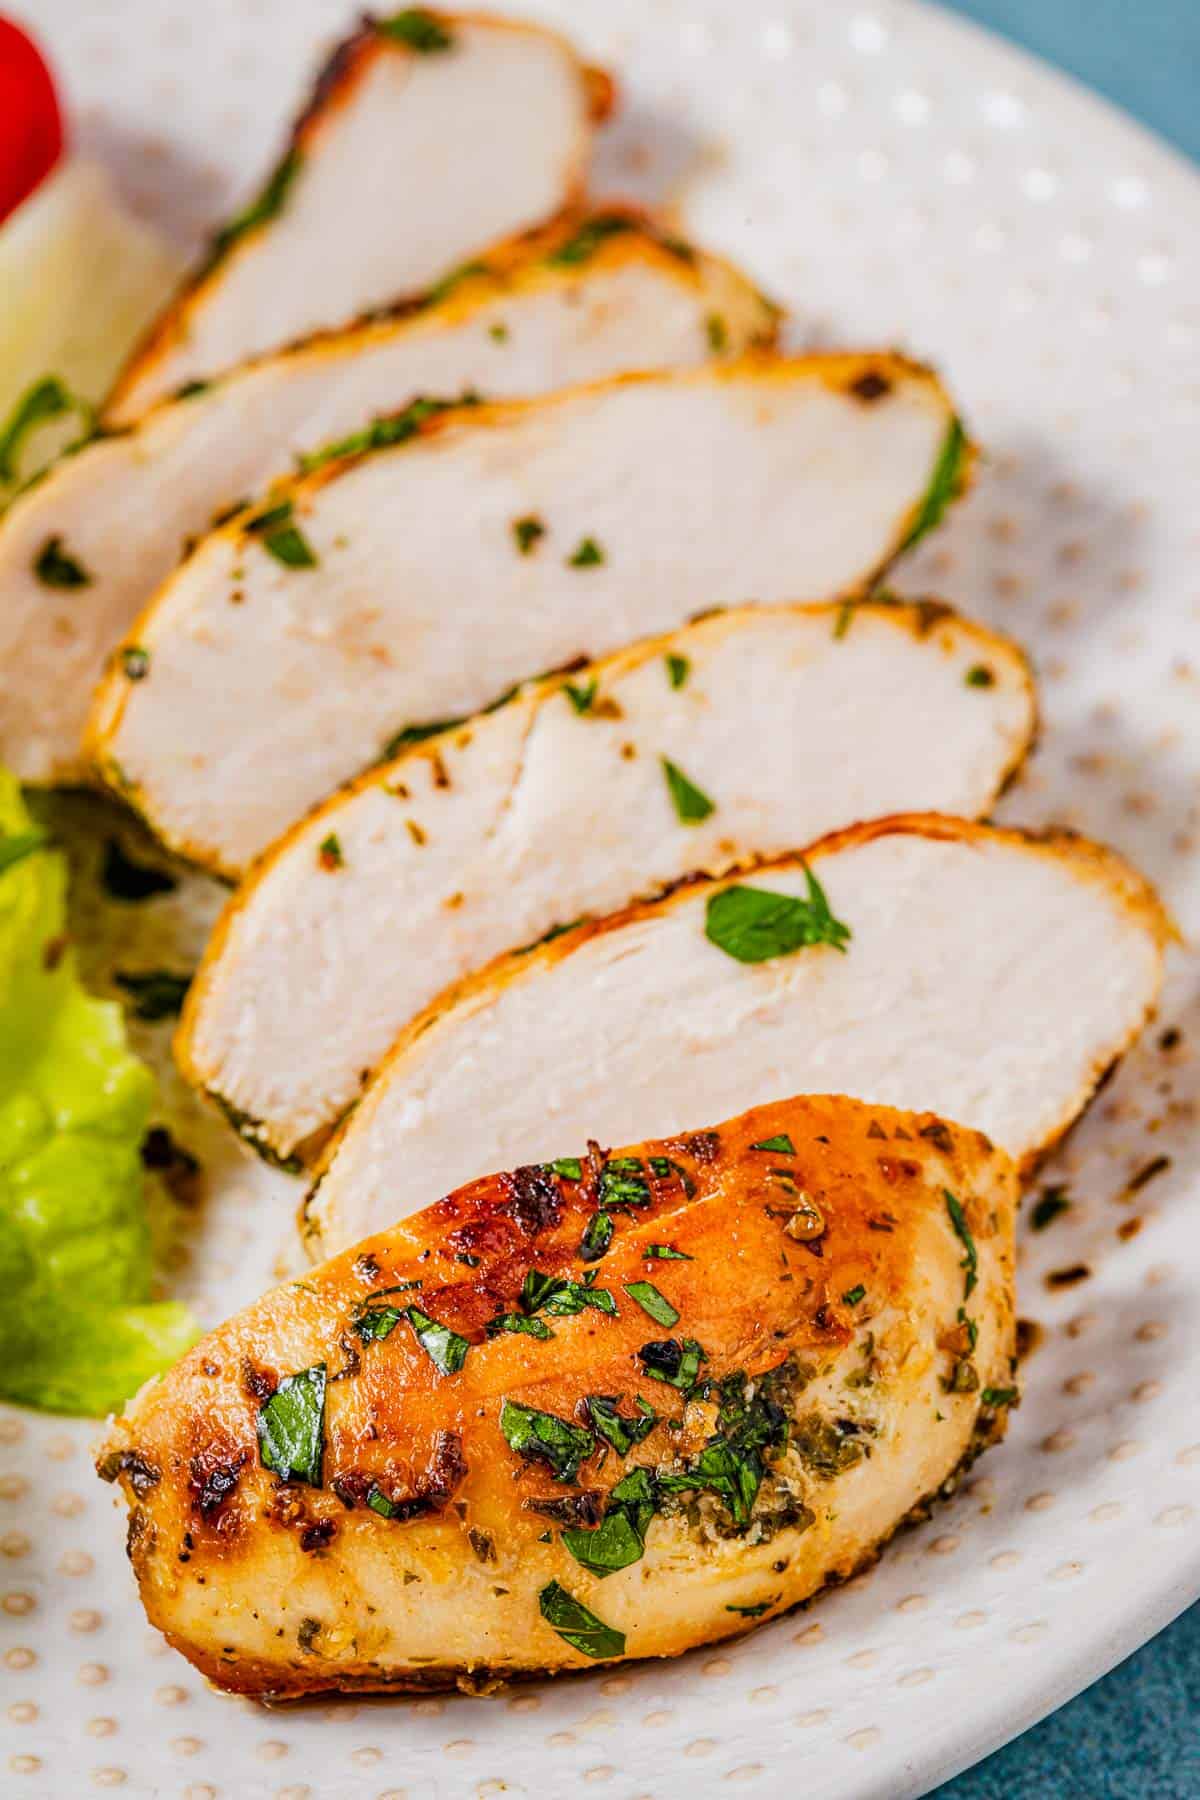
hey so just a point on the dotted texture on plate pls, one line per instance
(895, 177)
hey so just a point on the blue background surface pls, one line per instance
(1136, 1734)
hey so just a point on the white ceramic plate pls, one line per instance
(895, 177)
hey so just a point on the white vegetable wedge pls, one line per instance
(746, 733)
(592, 295)
(417, 581)
(996, 975)
(426, 135)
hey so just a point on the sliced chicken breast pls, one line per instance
(427, 134)
(594, 294)
(418, 580)
(745, 733)
(995, 974)
(609, 1408)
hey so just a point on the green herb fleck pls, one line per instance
(652, 1302)
(268, 205)
(667, 1253)
(692, 806)
(613, 1545)
(578, 1626)
(135, 661)
(970, 1261)
(518, 1323)
(291, 1427)
(843, 620)
(853, 1295)
(569, 1167)
(619, 1432)
(46, 399)
(416, 734)
(752, 1612)
(718, 333)
(623, 1184)
(677, 668)
(588, 239)
(980, 676)
(1002, 1396)
(544, 1437)
(945, 484)
(781, 1145)
(597, 1237)
(1052, 1203)
(527, 531)
(156, 994)
(678, 1364)
(444, 1348)
(386, 432)
(752, 925)
(498, 332)
(329, 853)
(586, 555)
(581, 697)
(442, 290)
(374, 1323)
(54, 568)
(419, 30)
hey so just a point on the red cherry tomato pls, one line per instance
(31, 131)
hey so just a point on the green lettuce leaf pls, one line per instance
(78, 1330)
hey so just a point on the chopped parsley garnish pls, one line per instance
(280, 537)
(498, 332)
(569, 1167)
(544, 1437)
(843, 620)
(379, 1503)
(677, 669)
(386, 432)
(777, 1146)
(135, 662)
(329, 853)
(944, 484)
(970, 1261)
(442, 290)
(993, 1396)
(586, 555)
(578, 1626)
(718, 333)
(732, 1464)
(1052, 1203)
(421, 31)
(561, 1298)
(444, 1348)
(678, 1364)
(667, 1253)
(582, 696)
(692, 805)
(125, 879)
(853, 1295)
(752, 925)
(291, 1427)
(597, 1237)
(520, 1323)
(156, 993)
(752, 1612)
(623, 1184)
(588, 239)
(46, 399)
(267, 206)
(980, 676)
(416, 734)
(620, 1538)
(374, 1323)
(56, 569)
(621, 1433)
(652, 1302)
(527, 531)
(15, 846)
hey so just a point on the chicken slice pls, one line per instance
(420, 142)
(994, 974)
(419, 579)
(609, 1408)
(744, 734)
(594, 294)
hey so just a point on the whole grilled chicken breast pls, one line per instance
(415, 575)
(427, 134)
(997, 974)
(594, 294)
(729, 739)
(608, 1408)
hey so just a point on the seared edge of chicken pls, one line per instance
(1001, 972)
(608, 1408)
(298, 638)
(343, 260)
(598, 291)
(578, 794)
